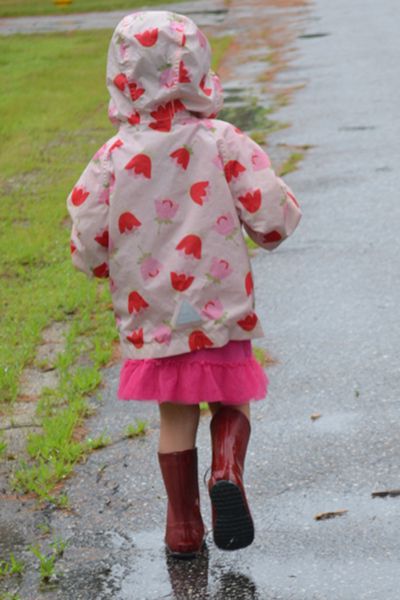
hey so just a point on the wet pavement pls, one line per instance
(204, 12)
(329, 303)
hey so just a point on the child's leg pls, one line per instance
(230, 432)
(178, 427)
(244, 408)
(177, 456)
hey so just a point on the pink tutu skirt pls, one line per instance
(229, 374)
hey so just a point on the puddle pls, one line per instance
(154, 575)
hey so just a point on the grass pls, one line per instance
(11, 567)
(20, 8)
(291, 164)
(46, 563)
(54, 125)
(136, 430)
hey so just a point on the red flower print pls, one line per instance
(183, 73)
(136, 338)
(232, 169)
(179, 106)
(101, 271)
(202, 86)
(251, 201)
(147, 38)
(163, 117)
(72, 247)
(134, 118)
(115, 145)
(120, 81)
(198, 192)
(79, 196)
(199, 340)
(190, 244)
(136, 302)
(141, 165)
(135, 90)
(181, 282)
(127, 221)
(272, 236)
(249, 322)
(182, 156)
(103, 238)
(248, 283)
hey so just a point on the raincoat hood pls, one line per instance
(158, 66)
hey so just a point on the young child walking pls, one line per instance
(159, 210)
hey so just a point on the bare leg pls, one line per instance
(244, 408)
(178, 426)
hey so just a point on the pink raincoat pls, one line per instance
(160, 207)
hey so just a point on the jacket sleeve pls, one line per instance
(88, 206)
(266, 206)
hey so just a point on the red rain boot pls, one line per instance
(184, 534)
(232, 522)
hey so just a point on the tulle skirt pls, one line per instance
(229, 374)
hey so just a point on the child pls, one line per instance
(159, 210)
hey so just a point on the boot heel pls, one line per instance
(233, 527)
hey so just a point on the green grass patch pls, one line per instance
(20, 8)
(54, 102)
(11, 567)
(291, 164)
(136, 430)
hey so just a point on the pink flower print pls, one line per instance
(202, 39)
(166, 210)
(208, 124)
(112, 182)
(162, 334)
(100, 152)
(213, 309)
(169, 76)
(104, 196)
(113, 113)
(218, 162)
(179, 27)
(150, 267)
(225, 225)
(219, 270)
(123, 49)
(260, 160)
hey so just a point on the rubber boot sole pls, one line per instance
(233, 527)
(186, 555)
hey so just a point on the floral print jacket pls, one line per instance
(161, 206)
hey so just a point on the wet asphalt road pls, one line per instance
(328, 299)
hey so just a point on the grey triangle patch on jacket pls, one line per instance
(187, 314)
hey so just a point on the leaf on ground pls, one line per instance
(315, 416)
(386, 493)
(330, 514)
